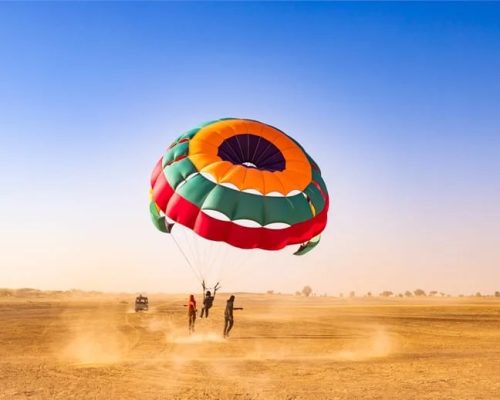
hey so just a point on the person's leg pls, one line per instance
(206, 312)
(226, 323)
(231, 322)
(192, 318)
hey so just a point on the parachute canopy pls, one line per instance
(242, 182)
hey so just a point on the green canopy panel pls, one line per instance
(158, 221)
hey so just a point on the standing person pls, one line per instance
(192, 313)
(228, 316)
(208, 300)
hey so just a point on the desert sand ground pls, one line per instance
(282, 347)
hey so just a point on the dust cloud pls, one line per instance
(208, 337)
(93, 347)
(94, 339)
(375, 345)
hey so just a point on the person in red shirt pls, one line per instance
(192, 313)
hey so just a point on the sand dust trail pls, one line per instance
(378, 343)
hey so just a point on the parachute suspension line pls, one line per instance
(196, 274)
(197, 247)
(200, 248)
(228, 255)
(198, 251)
(220, 260)
(244, 259)
(208, 259)
(215, 252)
(182, 242)
(206, 252)
(192, 248)
(189, 247)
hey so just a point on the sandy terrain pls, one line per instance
(282, 347)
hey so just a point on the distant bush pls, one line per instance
(386, 293)
(369, 294)
(306, 291)
(352, 294)
(408, 293)
(419, 292)
(270, 292)
(433, 293)
(497, 294)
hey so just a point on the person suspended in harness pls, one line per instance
(228, 315)
(208, 299)
(191, 313)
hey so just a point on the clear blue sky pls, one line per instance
(398, 103)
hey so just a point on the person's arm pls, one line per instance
(217, 287)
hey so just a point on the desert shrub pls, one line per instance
(306, 291)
